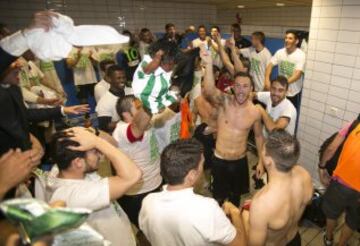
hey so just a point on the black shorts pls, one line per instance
(230, 179)
(296, 241)
(132, 205)
(339, 198)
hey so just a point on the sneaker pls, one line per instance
(327, 242)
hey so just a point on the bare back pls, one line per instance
(234, 123)
(281, 204)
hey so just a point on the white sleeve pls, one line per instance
(245, 52)
(14, 44)
(92, 195)
(263, 96)
(99, 91)
(221, 230)
(103, 109)
(300, 63)
(119, 134)
(275, 58)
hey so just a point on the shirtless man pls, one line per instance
(277, 208)
(236, 116)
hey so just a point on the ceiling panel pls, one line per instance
(231, 4)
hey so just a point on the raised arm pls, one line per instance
(214, 96)
(224, 56)
(127, 173)
(73, 60)
(238, 65)
(141, 120)
(155, 63)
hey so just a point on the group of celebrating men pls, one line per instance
(151, 94)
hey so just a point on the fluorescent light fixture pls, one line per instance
(280, 4)
(241, 6)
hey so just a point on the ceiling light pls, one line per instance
(241, 6)
(280, 4)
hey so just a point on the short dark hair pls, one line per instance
(236, 26)
(124, 104)
(283, 148)
(201, 26)
(168, 25)
(216, 27)
(259, 35)
(282, 80)
(246, 75)
(144, 30)
(293, 32)
(112, 69)
(179, 158)
(60, 152)
(103, 64)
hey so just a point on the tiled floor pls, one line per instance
(311, 235)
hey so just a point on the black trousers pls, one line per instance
(132, 205)
(85, 91)
(296, 101)
(208, 142)
(230, 179)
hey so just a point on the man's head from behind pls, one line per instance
(72, 161)
(257, 39)
(127, 107)
(278, 89)
(281, 151)
(182, 163)
(243, 86)
(116, 76)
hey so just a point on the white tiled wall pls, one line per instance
(155, 14)
(273, 21)
(332, 78)
(138, 14)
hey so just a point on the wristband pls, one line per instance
(321, 167)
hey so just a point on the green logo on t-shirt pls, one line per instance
(174, 132)
(255, 65)
(154, 148)
(286, 68)
(47, 66)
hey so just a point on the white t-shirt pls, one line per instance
(284, 109)
(106, 106)
(288, 63)
(198, 42)
(145, 153)
(184, 218)
(84, 72)
(258, 62)
(107, 218)
(100, 89)
(167, 129)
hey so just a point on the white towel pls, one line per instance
(57, 43)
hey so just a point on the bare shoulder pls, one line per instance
(255, 111)
(305, 180)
